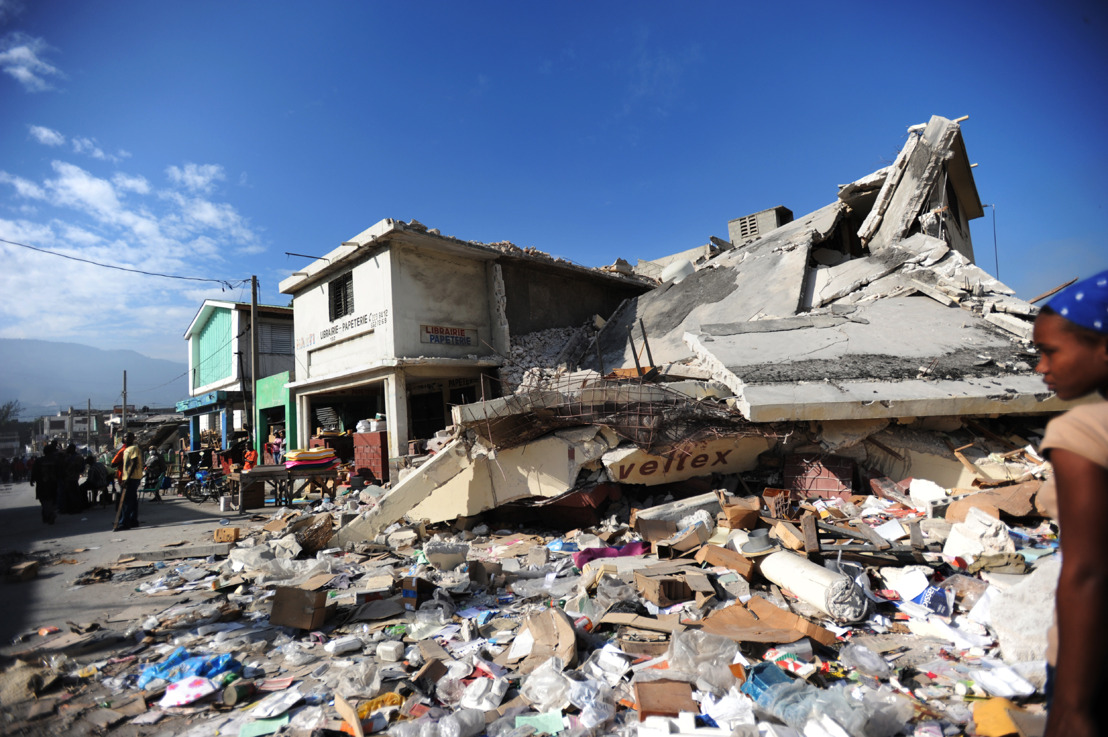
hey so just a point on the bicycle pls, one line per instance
(206, 485)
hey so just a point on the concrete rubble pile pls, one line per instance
(905, 611)
(792, 490)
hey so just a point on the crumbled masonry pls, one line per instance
(792, 490)
(859, 611)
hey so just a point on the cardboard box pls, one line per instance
(664, 698)
(294, 607)
(663, 591)
(553, 635)
(684, 541)
(226, 534)
(414, 591)
(714, 555)
(739, 513)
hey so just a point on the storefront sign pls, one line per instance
(721, 455)
(341, 328)
(447, 335)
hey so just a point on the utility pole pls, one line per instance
(124, 431)
(88, 427)
(254, 363)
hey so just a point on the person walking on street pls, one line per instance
(131, 478)
(155, 473)
(44, 477)
(70, 498)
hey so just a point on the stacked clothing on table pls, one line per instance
(312, 459)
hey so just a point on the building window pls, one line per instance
(274, 338)
(341, 292)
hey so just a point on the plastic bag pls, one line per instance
(865, 660)
(546, 687)
(360, 681)
(707, 657)
(462, 723)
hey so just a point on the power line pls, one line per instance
(223, 282)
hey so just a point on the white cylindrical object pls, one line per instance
(832, 593)
(677, 271)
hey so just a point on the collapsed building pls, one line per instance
(791, 489)
(860, 336)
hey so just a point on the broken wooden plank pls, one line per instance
(789, 536)
(862, 532)
(810, 530)
(915, 535)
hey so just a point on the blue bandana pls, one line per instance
(1085, 303)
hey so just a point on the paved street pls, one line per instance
(75, 545)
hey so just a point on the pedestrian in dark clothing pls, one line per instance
(96, 481)
(19, 469)
(155, 473)
(70, 498)
(44, 477)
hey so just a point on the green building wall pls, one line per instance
(271, 394)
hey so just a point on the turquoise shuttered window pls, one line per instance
(212, 350)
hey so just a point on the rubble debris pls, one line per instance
(799, 518)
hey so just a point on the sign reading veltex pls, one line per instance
(719, 455)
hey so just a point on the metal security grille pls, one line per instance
(341, 293)
(275, 339)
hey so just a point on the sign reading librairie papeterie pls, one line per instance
(447, 335)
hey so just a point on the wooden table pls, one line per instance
(286, 484)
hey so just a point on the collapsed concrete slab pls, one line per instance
(776, 263)
(456, 483)
(868, 308)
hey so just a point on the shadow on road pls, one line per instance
(79, 542)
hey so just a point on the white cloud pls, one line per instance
(196, 177)
(77, 235)
(128, 183)
(23, 187)
(120, 220)
(47, 136)
(75, 187)
(21, 58)
(90, 147)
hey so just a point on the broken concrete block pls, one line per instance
(980, 534)
(1020, 617)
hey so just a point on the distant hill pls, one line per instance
(46, 377)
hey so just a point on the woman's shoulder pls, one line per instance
(1093, 413)
(1083, 430)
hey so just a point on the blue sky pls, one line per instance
(209, 138)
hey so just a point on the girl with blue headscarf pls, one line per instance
(1071, 334)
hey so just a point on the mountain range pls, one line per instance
(47, 377)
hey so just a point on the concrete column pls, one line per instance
(396, 410)
(303, 419)
(194, 432)
(498, 310)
